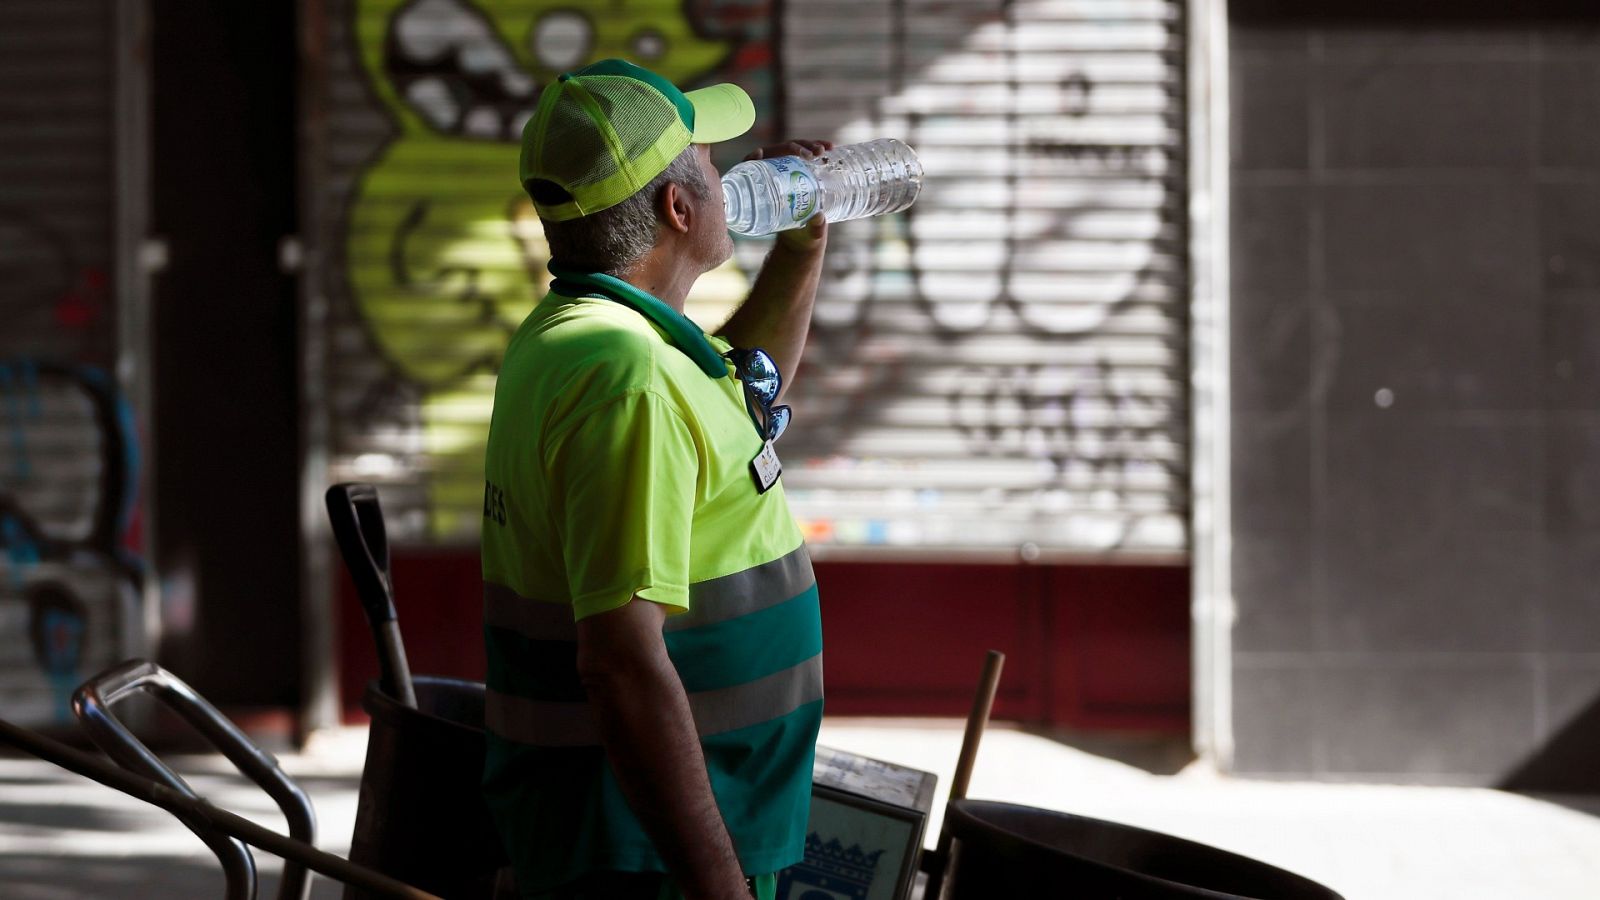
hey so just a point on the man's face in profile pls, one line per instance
(712, 232)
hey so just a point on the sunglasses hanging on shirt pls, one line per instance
(762, 384)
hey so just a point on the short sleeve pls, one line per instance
(623, 483)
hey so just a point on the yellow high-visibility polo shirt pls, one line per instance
(617, 468)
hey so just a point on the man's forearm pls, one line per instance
(650, 739)
(777, 315)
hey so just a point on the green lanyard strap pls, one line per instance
(684, 334)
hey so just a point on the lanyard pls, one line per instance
(684, 334)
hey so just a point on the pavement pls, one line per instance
(62, 836)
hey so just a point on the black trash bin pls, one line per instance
(1001, 850)
(421, 816)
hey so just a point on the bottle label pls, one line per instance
(799, 186)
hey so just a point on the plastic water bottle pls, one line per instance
(850, 182)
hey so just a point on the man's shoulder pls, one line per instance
(583, 344)
(563, 326)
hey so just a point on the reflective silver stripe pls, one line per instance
(754, 702)
(551, 724)
(742, 593)
(543, 722)
(712, 601)
(536, 619)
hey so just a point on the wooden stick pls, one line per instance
(937, 863)
(977, 720)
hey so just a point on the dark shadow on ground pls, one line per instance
(1588, 804)
(1158, 754)
(34, 876)
(57, 877)
(216, 767)
(132, 878)
(44, 818)
(1568, 763)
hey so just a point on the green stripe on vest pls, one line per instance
(749, 647)
(538, 670)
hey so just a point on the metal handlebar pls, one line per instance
(93, 702)
(357, 522)
(187, 807)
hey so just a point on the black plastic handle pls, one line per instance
(357, 522)
(93, 702)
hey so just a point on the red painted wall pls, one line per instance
(1097, 647)
(1091, 647)
(439, 598)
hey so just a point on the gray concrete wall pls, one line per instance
(1416, 374)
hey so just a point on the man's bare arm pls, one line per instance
(644, 721)
(777, 315)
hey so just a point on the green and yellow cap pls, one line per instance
(603, 132)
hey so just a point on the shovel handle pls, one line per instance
(357, 522)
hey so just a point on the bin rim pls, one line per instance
(966, 815)
(386, 709)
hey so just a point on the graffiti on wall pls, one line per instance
(1002, 364)
(443, 255)
(53, 297)
(69, 577)
(69, 582)
(1008, 354)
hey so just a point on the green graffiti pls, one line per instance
(443, 255)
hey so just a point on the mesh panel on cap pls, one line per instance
(581, 154)
(638, 114)
(601, 138)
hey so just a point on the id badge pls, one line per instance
(766, 468)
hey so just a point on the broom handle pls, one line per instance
(937, 863)
(977, 720)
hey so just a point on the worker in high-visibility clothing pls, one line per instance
(651, 617)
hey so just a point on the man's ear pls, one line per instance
(676, 211)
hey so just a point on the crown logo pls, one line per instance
(844, 860)
(830, 871)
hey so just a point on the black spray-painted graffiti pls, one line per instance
(1064, 233)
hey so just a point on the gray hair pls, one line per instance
(616, 237)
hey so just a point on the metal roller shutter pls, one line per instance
(428, 254)
(1000, 370)
(56, 188)
(68, 595)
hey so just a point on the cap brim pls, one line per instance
(721, 112)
